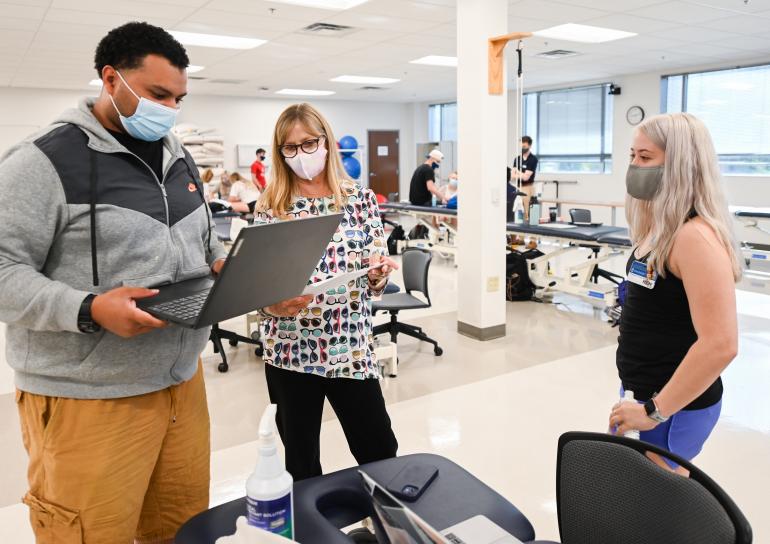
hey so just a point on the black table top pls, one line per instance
(323, 505)
(759, 213)
(583, 234)
(407, 207)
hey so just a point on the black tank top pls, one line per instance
(656, 332)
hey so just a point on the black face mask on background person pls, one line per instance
(643, 182)
(525, 150)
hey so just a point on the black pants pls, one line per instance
(359, 405)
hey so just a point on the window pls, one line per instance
(442, 122)
(735, 106)
(571, 129)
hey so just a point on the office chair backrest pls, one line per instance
(580, 215)
(415, 263)
(608, 492)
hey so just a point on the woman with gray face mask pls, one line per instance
(679, 327)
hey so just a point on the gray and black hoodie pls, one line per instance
(81, 215)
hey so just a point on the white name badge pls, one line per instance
(638, 275)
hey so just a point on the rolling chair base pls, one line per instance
(233, 338)
(394, 328)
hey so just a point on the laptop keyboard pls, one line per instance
(183, 308)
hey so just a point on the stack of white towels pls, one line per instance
(206, 147)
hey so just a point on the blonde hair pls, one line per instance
(207, 175)
(235, 176)
(280, 192)
(691, 183)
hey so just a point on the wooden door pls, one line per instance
(383, 161)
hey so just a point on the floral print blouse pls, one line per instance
(332, 337)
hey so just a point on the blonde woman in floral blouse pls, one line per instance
(321, 347)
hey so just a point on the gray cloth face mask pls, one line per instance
(643, 182)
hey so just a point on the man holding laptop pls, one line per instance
(99, 206)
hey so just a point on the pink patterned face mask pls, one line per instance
(308, 165)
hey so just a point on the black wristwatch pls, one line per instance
(652, 411)
(86, 323)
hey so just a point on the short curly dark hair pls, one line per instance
(127, 45)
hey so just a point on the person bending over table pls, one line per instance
(321, 347)
(423, 185)
(679, 328)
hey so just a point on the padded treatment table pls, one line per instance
(565, 230)
(440, 238)
(324, 505)
(405, 207)
(755, 253)
(605, 241)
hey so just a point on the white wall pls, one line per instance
(240, 120)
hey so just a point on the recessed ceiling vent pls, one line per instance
(557, 54)
(371, 88)
(328, 30)
(228, 81)
(197, 78)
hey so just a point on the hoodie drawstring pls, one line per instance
(199, 188)
(94, 261)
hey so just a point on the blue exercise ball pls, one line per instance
(352, 167)
(348, 142)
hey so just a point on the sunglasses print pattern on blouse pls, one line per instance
(332, 337)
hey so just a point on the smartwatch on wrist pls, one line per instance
(86, 323)
(652, 411)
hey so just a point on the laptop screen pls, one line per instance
(401, 525)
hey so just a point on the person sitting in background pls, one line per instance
(450, 189)
(224, 185)
(680, 327)
(258, 170)
(242, 190)
(209, 192)
(423, 185)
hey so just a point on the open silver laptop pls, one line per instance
(266, 264)
(403, 526)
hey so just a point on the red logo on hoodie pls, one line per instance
(191, 187)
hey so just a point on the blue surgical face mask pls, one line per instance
(435, 166)
(150, 122)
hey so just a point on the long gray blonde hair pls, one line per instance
(691, 183)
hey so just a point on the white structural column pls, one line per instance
(482, 135)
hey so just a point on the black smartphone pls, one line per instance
(410, 483)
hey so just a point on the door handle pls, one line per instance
(372, 174)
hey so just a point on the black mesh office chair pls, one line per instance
(415, 263)
(608, 491)
(581, 215)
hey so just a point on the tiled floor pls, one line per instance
(497, 408)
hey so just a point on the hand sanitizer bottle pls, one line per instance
(269, 488)
(628, 396)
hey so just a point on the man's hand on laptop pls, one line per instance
(116, 311)
(216, 267)
(290, 307)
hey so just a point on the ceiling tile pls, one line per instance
(409, 10)
(681, 12)
(133, 10)
(631, 23)
(612, 5)
(21, 11)
(742, 24)
(104, 20)
(254, 25)
(735, 6)
(265, 9)
(695, 34)
(378, 21)
(556, 12)
(11, 23)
